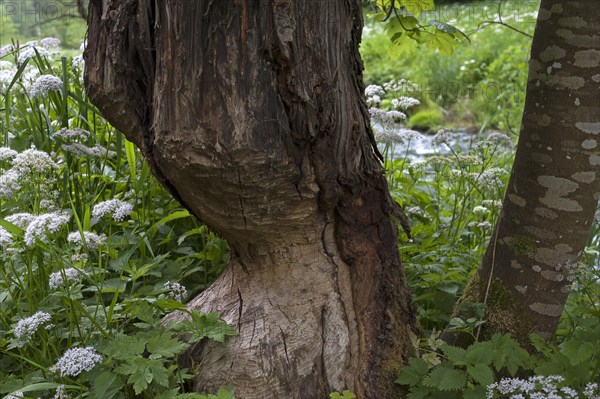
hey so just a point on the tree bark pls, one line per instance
(548, 209)
(252, 114)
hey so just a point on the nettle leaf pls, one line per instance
(415, 7)
(481, 373)
(480, 352)
(419, 392)
(476, 392)
(413, 373)
(163, 346)
(455, 355)
(446, 378)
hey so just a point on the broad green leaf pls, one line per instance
(578, 351)
(481, 373)
(445, 378)
(455, 355)
(415, 7)
(480, 352)
(413, 373)
(476, 392)
(104, 386)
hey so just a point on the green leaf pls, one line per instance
(481, 373)
(415, 7)
(204, 325)
(578, 351)
(413, 373)
(163, 346)
(124, 347)
(441, 41)
(104, 386)
(455, 355)
(476, 392)
(508, 353)
(480, 352)
(445, 378)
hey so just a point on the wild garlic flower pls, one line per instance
(492, 203)
(176, 291)
(45, 224)
(115, 207)
(65, 277)
(17, 395)
(72, 134)
(25, 328)
(75, 361)
(442, 137)
(32, 160)
(44, 84)
(7, 153)
(92, 240)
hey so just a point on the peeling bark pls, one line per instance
(554, 187)
(252, 114)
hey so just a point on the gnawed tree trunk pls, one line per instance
(554, 188)
(251, 113)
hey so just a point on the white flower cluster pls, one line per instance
(50, 42)
(73, 134)
(489, 177)
(9, 184)
(32, 160)
(404, 102)
(29, 51)
(176, 291)
(492, 203)
(538, 387)
(6, 239)
(399, 136)
(481, 225)
(45, 83)
(115, 207)
(60, 393)
(17, 395)
(25, 328)
(6, 49)
(480, 210)
(65, 277)
(45, 224)
(82, 150)
(443, 136)
(92, 240)
(373, 94)
(7, 153)
(499, 138)
(75, 361)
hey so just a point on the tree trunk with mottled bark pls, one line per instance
(532, 257)
(252, 114)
